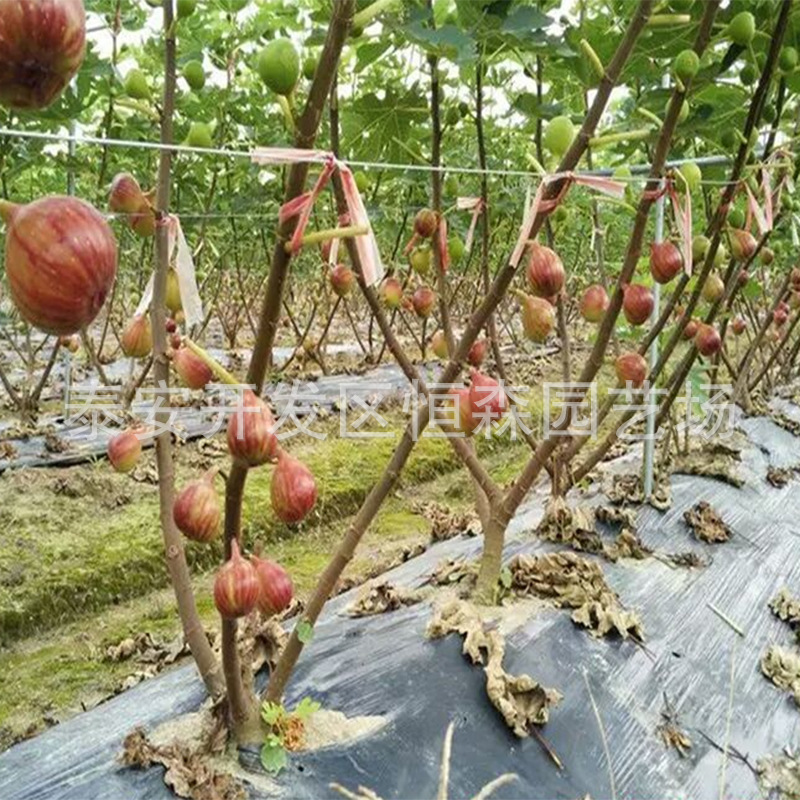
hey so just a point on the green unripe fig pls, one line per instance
(683, 114)
(309, 67)
(742, 28)
(278, 66)
(356, 32)
(456, 248)
(736, 218)
(769, 114)
(420, 259)
(558, 135)
(199, 135)
(194, 75)
(186, 8)
(728, 139)
(748, 75)
(692, 174)
(686, 65)
(136, 85)
(451, 186)
(559, 214)
(234, 6)
(452, 115)
(362, 181)
(463, 108)
(787, 59)
(721, 256)
(700, 245)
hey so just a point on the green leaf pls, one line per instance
(273, 758)
(306, 707)
(271, 712)
(305, 631)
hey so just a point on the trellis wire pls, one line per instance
(636, 169)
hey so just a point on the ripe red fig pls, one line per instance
(137, 338)
(477, 353)
(459, 419)
(251, 436)
(71, 343)
(170, 325)
(665, 261)
(713, 289)
(545, 271)
(43, 44)
(707, 340)
(439, 345)
(293, 490)
(172, 298)
(738, 325)
(392, 293)
(743, 244)
(631, 368)
(126, 195)
(690, 329)
(191, 369)
(236, 587)
(196, 509)
(637, 303)
(425, 223)
(124, 451)
(538, 317)
(423, 300)
(61, 260)
(779, 316)
(276, 590)
(594, 303)
(342, 280)
(487, 400)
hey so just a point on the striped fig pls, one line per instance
(293, 491)
(196, 510)
(251, 436)
(236, 586)
(275, 586)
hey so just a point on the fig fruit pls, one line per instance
(172, 298)
(487, 400)
(196, 510)
(136, 86)
(738, 325)
(42, 45)
(61, 260)
(423, 300)
(362, 181)
(456, 248)
(686, 65)
(200, 135)
(251, 436)
(743, 244)
(594, 303)
(700, 247)
(137, 338)
(459, 419)
(342, 280)
(185, 8)
(713, 288)
(191, 369)
(194, 75)
(71, 343)
(538, 318)
(637, 303)
(275, 586)
(392, 293)
(665, 261)
(477, 353)
(692, 174)
(124, 451)
(742, 28)
(545, 271)
(126, 196)
(425, 223)
(707, 339)
(558, 135)
(293, 491)
(309, 70)
(420, 259)
(631, 368)
(439, 345)
(278, 66)
(236, 586)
